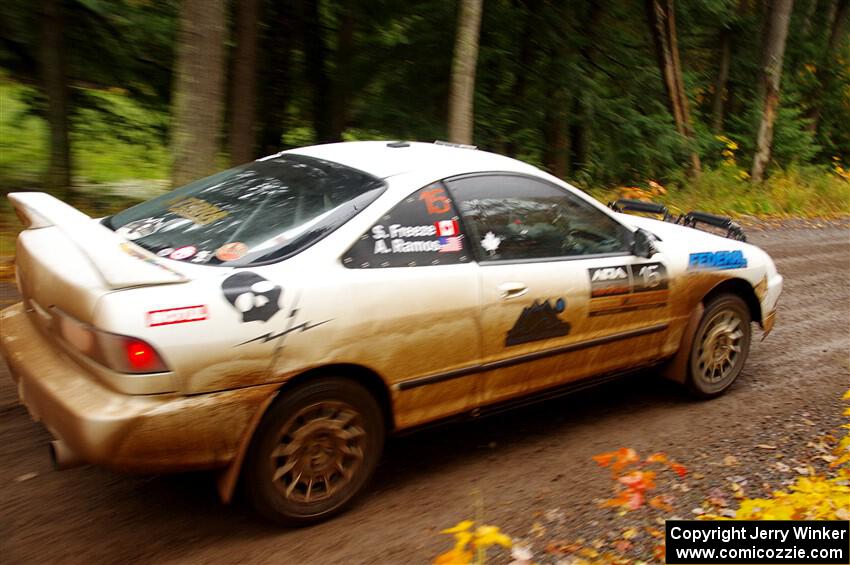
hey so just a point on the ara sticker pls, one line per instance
(491, 242)
(717, 260)
(231, 251)
(183, 253)
(627, 288)
(176, 316)
(140, 228)
(165, 252)
(538, 321)
(256, 298)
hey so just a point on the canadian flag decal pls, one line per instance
(446, 228)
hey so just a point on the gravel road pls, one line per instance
(521, 468)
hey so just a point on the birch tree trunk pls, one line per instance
(243, 90)
(55, 82)
(462, 90)
(199, 89)
(779, 15)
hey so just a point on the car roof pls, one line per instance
(388, 158)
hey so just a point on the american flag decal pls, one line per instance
(450, 244)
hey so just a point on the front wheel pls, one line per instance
(314, 450)
(720, 346)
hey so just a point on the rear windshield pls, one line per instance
(257, 213)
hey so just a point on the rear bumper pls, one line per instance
(150, 433)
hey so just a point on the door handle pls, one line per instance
(510, 290)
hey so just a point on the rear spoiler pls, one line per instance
(120, 263)
(691, 219)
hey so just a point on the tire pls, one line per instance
(720, 346)
(314, 451)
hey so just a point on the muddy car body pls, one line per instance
(276, 320)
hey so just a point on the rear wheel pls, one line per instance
(314, 451)
(720, 346)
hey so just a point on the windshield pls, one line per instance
(256, 213)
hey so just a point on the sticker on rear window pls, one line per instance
(231, 251)
(413, 235)
(199, 211)
(140, 228)
(182, 253)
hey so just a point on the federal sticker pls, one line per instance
(231, 251)
(180, 315)
(717, 260)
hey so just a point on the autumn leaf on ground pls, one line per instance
(679, 469)
(617, 460)
(661, 503)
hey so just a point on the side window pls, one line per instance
(514, 217)
(423, 229)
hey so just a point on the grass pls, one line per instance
(796, 192)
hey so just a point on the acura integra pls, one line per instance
(277, 320)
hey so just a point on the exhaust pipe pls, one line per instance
(62, 456)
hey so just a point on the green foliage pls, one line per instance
(113, 139)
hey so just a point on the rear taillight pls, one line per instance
(118, 352)
(140, 355)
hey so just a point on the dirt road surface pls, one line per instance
(520, 467)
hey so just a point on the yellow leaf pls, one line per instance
(485, 536)
(460, 527)
(454, 557)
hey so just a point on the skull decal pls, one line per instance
(255, 297)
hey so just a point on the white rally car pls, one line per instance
(275, 321)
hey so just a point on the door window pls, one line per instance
(512, 217)
(423, 229)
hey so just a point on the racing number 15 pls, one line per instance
(651, 277)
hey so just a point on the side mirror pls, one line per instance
(643, 244)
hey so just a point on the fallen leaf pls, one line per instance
(630, 533)
(661, 503)
(680, 470)
(25, 477)
(766, 446)
(562, 547)
(622, 546)
(730, 460)
(538, 530)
